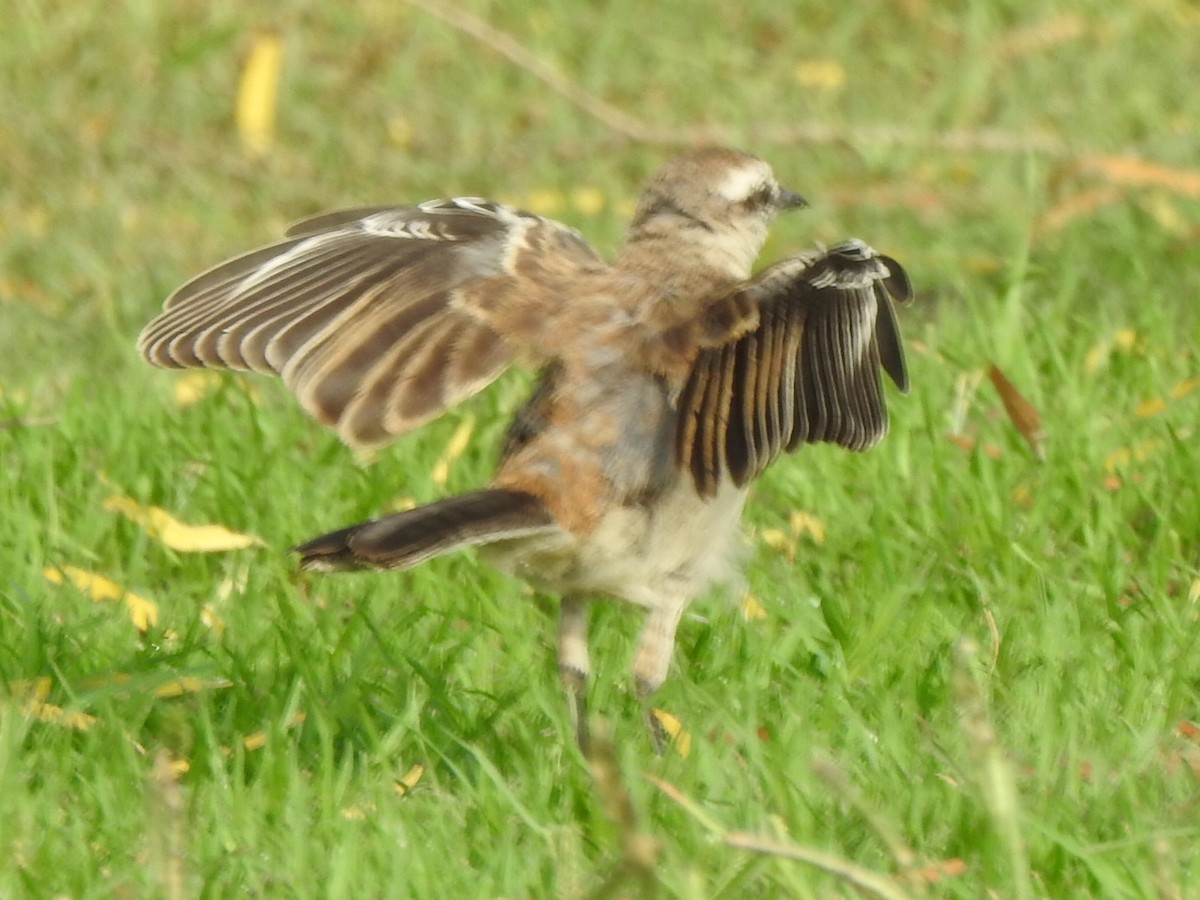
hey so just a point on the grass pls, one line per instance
(1059, 758)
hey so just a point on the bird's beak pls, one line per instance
(789, 200)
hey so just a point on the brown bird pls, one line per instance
(670, 378)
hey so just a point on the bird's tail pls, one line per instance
(406, 538)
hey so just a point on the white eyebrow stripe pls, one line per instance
(741, 182)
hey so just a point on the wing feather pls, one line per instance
(809, 372)
(378, 318)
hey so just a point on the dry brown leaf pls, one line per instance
(1135, 172)
(1021, 412)
(940, 870)
(962, 441)
(968, 443)
(1039, 36)
(1076, 206)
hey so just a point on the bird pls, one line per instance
(668, 379)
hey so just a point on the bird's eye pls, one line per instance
(760, 198)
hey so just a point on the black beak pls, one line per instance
(789, 200)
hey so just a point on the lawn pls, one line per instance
(966, 663)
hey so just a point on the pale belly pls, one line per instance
(661, 553)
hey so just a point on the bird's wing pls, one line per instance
(378, 319)
(792, 358)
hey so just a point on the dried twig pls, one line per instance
(639, 851)
(634, 129)
(167, 816)
(864, 879)
(995, 778)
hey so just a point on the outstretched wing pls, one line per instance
(808, 371)
(378, 319)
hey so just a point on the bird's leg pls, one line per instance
(655, 647)
(573, 663)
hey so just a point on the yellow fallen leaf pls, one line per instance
(778, 539)
(142, 612)
(193, 387)
(210, 618)
(33, 693)
(752, 609)
(56, 715)
(164, 527)
(258, 739)
(258, 92)
(1167, 216)
(1125, 339)
(806, 523)
(1139, 452)
(1150, 408)
(980, 264)
(459, 441)
(30, 689)
(1098, 356)
(681, 738)
(545, 201)
(400, 130)
(824, 74)
(233, 583)
(188, 684)
(1194, 591)
(588, 200)
(409, 779)
(1185, 387)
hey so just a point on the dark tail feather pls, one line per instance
(415, 535)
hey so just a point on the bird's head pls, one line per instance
(718, 200)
